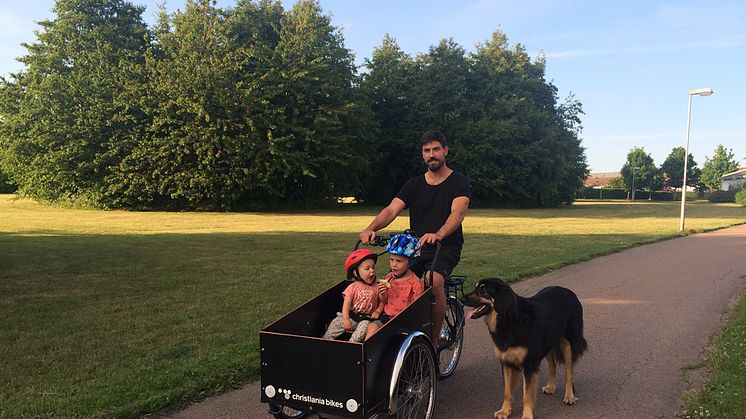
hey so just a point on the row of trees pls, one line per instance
(256, 105)
(640, 172)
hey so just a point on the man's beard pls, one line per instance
(434, 164)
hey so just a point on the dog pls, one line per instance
(525, 331)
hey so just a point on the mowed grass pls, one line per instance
(120, 314)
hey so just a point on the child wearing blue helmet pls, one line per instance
(401, 286)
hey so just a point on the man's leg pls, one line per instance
(439, 309)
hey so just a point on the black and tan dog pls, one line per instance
(525, 331)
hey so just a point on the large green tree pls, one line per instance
(506, 129)
(524, 146)
(311, 152)
(65, 120)
(248, 107)
(722, 162)
(639, 171)
(673, 167)
(388, 86)
(193, 155)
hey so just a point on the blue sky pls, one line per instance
(630, 63)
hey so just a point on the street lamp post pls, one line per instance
(633, 180)
(697, 92)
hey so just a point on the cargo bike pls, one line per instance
(392, 374)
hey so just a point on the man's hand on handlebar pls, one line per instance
(367, 236)
(429, 238)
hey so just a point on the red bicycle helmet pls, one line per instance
(356, 258)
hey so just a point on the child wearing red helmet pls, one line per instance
(361, 301)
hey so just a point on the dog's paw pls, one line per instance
(502, 414)
(527, 416)
(548, 389)
(570, 400)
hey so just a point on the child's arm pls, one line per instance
(346, 314)
(383, 293)
(377, 312)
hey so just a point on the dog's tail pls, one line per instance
(574, 334)
(578, 345)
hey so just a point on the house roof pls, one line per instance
(601, 175)
(600, 178)
(738, 174)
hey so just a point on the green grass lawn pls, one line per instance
(724, 396)
(114, 313)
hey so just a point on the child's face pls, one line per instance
(367, 271)
(399, 264)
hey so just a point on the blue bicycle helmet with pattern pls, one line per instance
(404, 245)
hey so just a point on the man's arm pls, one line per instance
(383, 219)
(459, 206)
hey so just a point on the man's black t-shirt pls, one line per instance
(430, 205)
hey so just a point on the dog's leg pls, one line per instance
(508, 382)
(552, 378)
(530, 383)
(570, 398)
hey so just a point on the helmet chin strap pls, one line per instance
(356, 276)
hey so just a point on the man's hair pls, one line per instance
(430, 136)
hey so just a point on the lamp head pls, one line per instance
(702, 92)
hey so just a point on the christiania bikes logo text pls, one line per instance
(317, 400)
(287, 394)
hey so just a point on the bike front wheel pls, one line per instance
(416, 383)
(286, 412)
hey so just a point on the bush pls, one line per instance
(588, 192)
(741, 197)
(723, 196)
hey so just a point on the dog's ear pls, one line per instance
(505, 300)
(482, 289)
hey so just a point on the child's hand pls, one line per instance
(375, 315)
(347, 324)
(383, 287)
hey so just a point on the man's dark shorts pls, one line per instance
(447, 260)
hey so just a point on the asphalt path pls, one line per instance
(649, 314)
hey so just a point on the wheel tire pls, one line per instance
(416, 384)
(284, 412)
(448, 356)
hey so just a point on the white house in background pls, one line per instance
(733, 180)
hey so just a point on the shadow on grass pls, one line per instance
(621, 210)
(125, 325)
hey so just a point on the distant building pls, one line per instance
(600, 179)
(733, 180)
